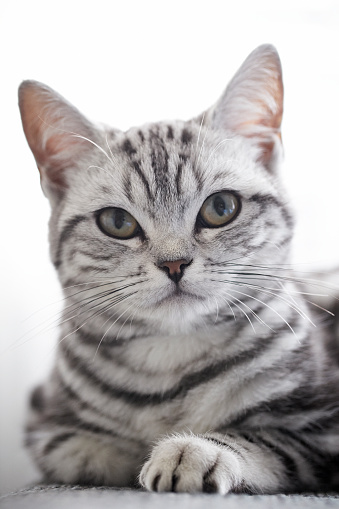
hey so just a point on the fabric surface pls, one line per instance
(77, 497)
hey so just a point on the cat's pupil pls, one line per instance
(219, 206)
(118, 219)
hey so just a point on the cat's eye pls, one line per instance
(219, 209)
(117, 223)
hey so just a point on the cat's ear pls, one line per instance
(252, 104)
(57, 133)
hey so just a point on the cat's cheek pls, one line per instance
(190, 464)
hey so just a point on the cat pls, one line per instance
(188, 359)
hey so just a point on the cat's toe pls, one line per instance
(188, 464)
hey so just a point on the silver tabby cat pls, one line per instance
(188, 359)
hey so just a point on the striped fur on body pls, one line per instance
(221, 380)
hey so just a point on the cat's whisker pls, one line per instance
(133, 315)
(84, 306)
(229, 305)
(64, 298)
(52, 319)
(199, 133)
(212, 297)
(230, 262)
(287, 267)
(222, 142)
(276, 277)
(75, 307)
(277, 246)
(320, 307)
(103, 281)
(59, 313)
(251, 310)
(242, 310)
(75, 135)
(296, 307)
(88, 318)
(122, 326)
(272, 309)
(217, 306)
(272, 292)
(72, 134)
(100, 295)
(107, 331)
(114, 159)
(111, 303)
(75, 314)
(275, 290)
(201, 149)
(279, 281)
(287, 292)
(99, 168)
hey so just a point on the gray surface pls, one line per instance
(75, 497)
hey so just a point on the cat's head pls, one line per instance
(165, 217)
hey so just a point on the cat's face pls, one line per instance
(165, 218)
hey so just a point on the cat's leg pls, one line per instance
(75, 456)
(256, 462)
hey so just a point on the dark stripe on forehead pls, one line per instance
(183, 157)
(128, 148)
(137, 167)
(186, 136)
(199, 179)
(159, 159)
(170, 134)
(128, 188)
(178, 178)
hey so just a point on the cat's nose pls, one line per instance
(175, 269)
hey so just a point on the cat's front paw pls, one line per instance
(190, 464)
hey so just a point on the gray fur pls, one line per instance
(228, 374)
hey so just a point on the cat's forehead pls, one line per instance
(172, 164)
(164, 171)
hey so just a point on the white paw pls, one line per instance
(190, 464)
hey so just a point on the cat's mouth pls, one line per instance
(180, 295)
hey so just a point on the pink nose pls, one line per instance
(174, 268)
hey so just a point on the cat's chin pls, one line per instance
(179, 314)
(176, 310)
(175, 298)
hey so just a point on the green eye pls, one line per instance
(117, 223)
(219, 209)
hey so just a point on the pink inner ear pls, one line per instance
(267, 107)
(50, 123)
(266, 126)
(252, 104)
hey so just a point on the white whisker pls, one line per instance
(216, 148)
(103, 337)
(269, 307)
(100, 168)
(242, 310)
(75, 135)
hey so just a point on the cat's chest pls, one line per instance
(152, 386)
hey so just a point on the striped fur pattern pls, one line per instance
(217, 382)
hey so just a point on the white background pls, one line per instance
(128, 62)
